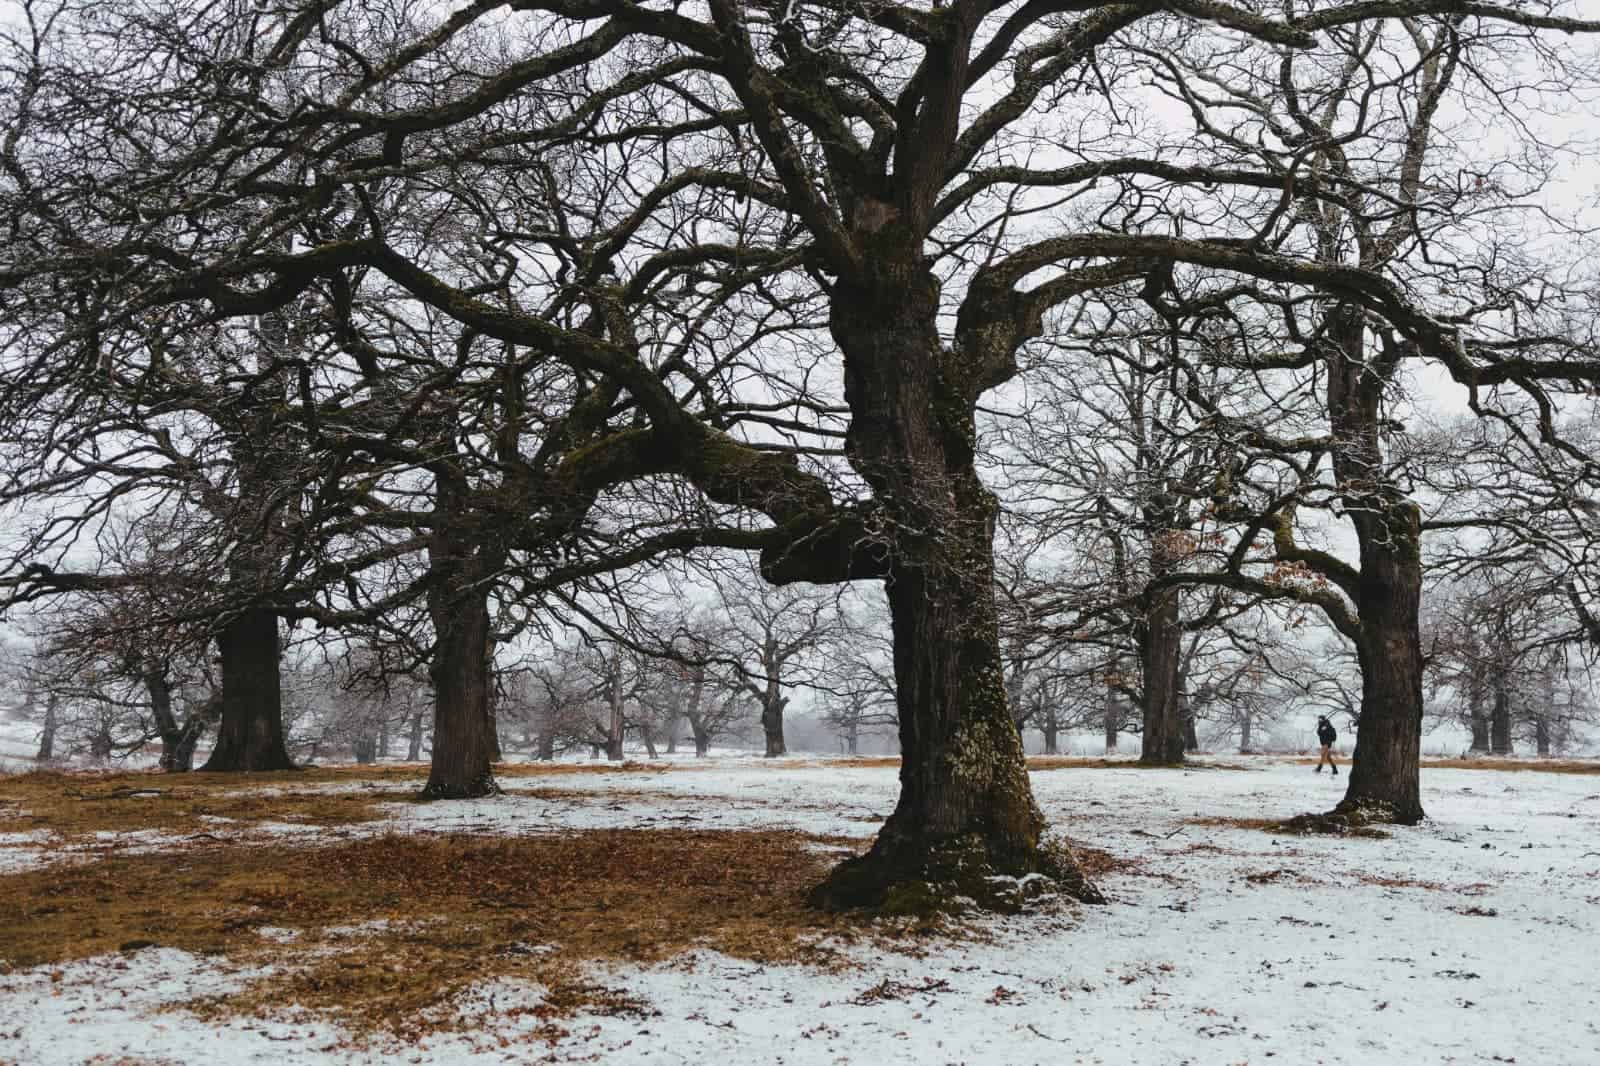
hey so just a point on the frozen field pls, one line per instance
(1471, 938)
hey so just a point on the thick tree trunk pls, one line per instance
(616, 731)
(1500, 741)
(47, 735)
(1112, 720)
(1052, 734)
(1161, 646)
(546, 748)
(493, 723)
(365, 749)
(102, 744)
(1385, 781)
(1191, 735)
(692, 714)
(414, 741)
(250, 734)
(772, 723)
(966, 811)
(1479, 721)
(250, 730)
(460, 566)
(462, 748)
(1245, 724)
(1541, 735)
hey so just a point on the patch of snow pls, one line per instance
(106, 1008)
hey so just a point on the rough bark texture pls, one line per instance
(1384, 778)
(250, 734)
(1111, 720)
(1160, 649)
(414, 741)
(1385, 766)
(694, 714)
(183, 755)
(461, 765)
(616, 722)
(461, 567)
(966, 811)
(495, 754)
(772, 707)
(177, 741)
(1500, 741)
(1191, 734)
(1245, 725)
(1479, 722)
(47, 735)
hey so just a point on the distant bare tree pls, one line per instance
(774, 639)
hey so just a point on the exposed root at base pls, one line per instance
(1349, 819)
(954, 876)
(480, 787)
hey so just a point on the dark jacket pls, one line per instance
(1326, 733)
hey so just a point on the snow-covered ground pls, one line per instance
(1471, 938)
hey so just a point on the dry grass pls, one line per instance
(1281, 827)
(78, 805)
(1544, 766)
(449, 912)
(1097, 862)
(386, 932)
(1269, 825)
(1381, 881)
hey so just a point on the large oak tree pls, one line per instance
(941, 181)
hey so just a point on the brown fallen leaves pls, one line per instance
(384, 933)
(78, 805)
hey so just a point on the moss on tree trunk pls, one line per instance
(966, 830)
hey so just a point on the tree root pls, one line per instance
(949, 877)
(483, 785)
(1347, 819)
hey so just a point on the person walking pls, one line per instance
(1326, 735)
